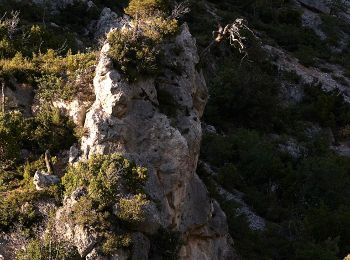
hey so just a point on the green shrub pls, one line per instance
(327, 109)
(145, 8)
(57, 77)
(86, 213)
(136, 51)
(11, 125)
(131, 55)
(113, 242)
(131, 210)
(102, 175)
(47, 130)
(19, 67)
(18, 206)
(306, 55)
(241, 95)
(38, 249)
(105, 179)
(50, 85)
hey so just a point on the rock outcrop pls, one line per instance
(156, 123)
(310, 75)
(43, 180)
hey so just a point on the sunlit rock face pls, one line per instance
(156, 122)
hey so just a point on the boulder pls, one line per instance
(44, 180)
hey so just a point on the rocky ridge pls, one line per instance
(132, 119)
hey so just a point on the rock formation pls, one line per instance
(156, 123)
(43, 180)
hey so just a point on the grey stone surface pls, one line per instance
(128, 118)
(43, 180)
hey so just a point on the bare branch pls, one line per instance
(180, 9)
(11, 24)
(232, 33)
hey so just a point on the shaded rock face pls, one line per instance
(156, 123)
(316, 5)
(309, 75)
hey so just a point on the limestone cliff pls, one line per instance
(156, 123)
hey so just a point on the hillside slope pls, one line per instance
(127, 132)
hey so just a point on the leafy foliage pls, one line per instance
(47, 248)
(131, 210)
(102, 175)
(131, 55)
(106, 178)
(144, 9)
(136, 51)
(18, 206)
(48, 130)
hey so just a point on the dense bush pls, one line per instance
(106, 178)
(18, 206)
(145, 8)
(136, 51)
(57, 77)
(48, 130)
(113, 242)
(40, 249)
(241, 95)
(131, 210)
(102, 175)
(303, 198)
(133, 55)
(276, 185)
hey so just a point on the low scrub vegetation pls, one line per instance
(105, 179)
(136, 50)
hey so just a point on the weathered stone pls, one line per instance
(74, 109)
(313, 20)
(108, 20)
(152, 221)
(83, 238)
(43, 180)
(292, 148)
(78, 193)
(127, 118)
(310, 75)
(74, 154)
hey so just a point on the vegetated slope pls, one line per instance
(122, 181)
(281, 117)
(276, 156)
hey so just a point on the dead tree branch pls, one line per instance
(11, 24)
(180, 9)
(233, 33)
